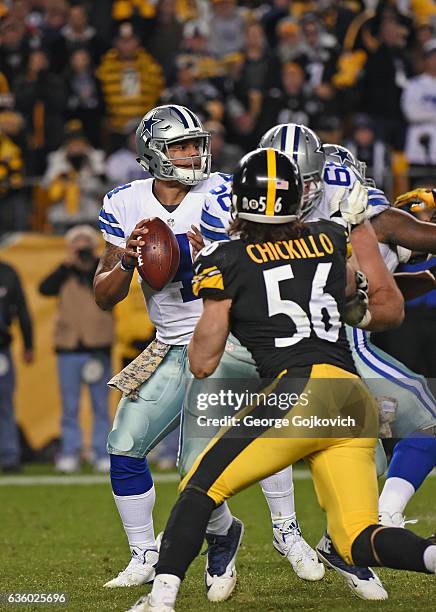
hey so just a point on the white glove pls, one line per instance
(350, 205)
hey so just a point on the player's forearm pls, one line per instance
(111, 287)
(209, 338)
(386, 304)
(400, 228)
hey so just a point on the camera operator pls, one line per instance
(83, 337)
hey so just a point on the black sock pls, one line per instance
(390, 547)
(184, 533)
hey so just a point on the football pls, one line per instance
(159, 257)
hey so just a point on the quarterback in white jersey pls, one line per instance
(175, 149)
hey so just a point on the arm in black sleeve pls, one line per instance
(23, 315)
(52, 284)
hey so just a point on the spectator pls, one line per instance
(78, 34)
(131, 80)
(83, 337)
(275, 14)
(13, 205)
(12, 305)
(74, 181)
(165, 35)
(54, 19)
(225, 156)
(85, 99)
(40, 96)
(121, 165)
(200, 96)
(14, 49)
(366, 147)
(319, 56)
(419, 105)
(385, 75)
(227, 28)
(290, 103)
(289, 45)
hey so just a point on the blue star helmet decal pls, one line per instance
(343, 155)
(148, 125)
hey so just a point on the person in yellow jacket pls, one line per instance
(131, 80)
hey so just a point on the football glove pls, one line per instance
(356, 312)
(350, 205)
(417, 200)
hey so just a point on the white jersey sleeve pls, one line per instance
(377, 202)
(215, 214)
(112, 217)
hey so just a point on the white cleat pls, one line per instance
(363, 581)
(220, 574)
(67, 464)
(289, 542)
(141, 570)
(144, 605)
(397, 519)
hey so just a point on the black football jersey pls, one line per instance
(287, 296)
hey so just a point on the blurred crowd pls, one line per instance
(75, 78)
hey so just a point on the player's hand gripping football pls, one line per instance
(350, 205)
(417, 200)
(130, 257)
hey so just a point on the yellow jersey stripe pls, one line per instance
(272, 181)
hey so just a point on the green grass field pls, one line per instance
(57, 538)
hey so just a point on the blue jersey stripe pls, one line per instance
(398, 381)
(210, 235)
(194, 118)
(108, 216)
(211, 219)
(109, 229)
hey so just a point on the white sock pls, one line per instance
(136, 512)
(430, 559)
(165, 589)
(220, 520)
(279, 494)
(395, 495)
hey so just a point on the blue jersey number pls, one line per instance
(333, 175)
(222, 194)
(184, 272)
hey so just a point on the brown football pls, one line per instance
(159, 257)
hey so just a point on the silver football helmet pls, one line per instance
(304, 146)
(341, 155)
(167, 125)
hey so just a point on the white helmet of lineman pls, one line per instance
(341, 155)
(304, 146)
(166, 125)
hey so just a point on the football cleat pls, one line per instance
(144, 604)
(289, 542)
(363, 582)
(397, 519)
(141, 570)
(220, 573)
(67, 464)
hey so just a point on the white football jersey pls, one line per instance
(174, 310)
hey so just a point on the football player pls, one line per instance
(281, 288)
(173, 146)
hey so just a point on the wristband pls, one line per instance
(125, 267)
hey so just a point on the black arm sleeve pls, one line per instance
(52, 284)
(23, 314)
